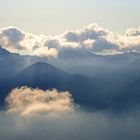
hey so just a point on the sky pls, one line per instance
(51, 17)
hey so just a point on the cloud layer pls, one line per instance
(92, 38)
(74, 126)
(24, 119)
(29, 102)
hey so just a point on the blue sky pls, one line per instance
(56, 16)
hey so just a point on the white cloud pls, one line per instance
(91, 37)
(89, 43)
(29, 102)
(45, 52)
(133, 32)
(17, 41)
(92, 31)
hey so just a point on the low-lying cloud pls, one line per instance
(74, 126)
(92, 38)
(26, 101)
(24, 119)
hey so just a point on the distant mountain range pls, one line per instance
(76, 61)
(95, 82)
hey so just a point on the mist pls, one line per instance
(79, 125)
(32, 114)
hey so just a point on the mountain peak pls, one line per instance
(3, 51)
(41, 75)
(40, 65)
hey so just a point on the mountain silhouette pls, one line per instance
(42, 75)
(116, 89)
(3, 51)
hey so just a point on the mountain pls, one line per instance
(3, 51)
(79, 61)
(39, 75)
(73, 61)
(95, 81)
(130, 92)
(118, 90)
(96, 92)
(11, 63)
(7, 68)
(42, 75)
(84, 89)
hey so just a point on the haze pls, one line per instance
(55, 16)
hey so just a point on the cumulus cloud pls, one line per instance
(17, 41)
(101, 41)
(92, 38)
(26, 101)
(92, 31)
(133, 32)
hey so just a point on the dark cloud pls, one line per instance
(13, 34)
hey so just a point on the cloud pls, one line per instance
(17, 41)
(101, 41)
(75, 126)
(27, 101)
(92, 31)
(133, 32)
(11, 37)
(45, 52)
(24, 119)
(92, 38)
